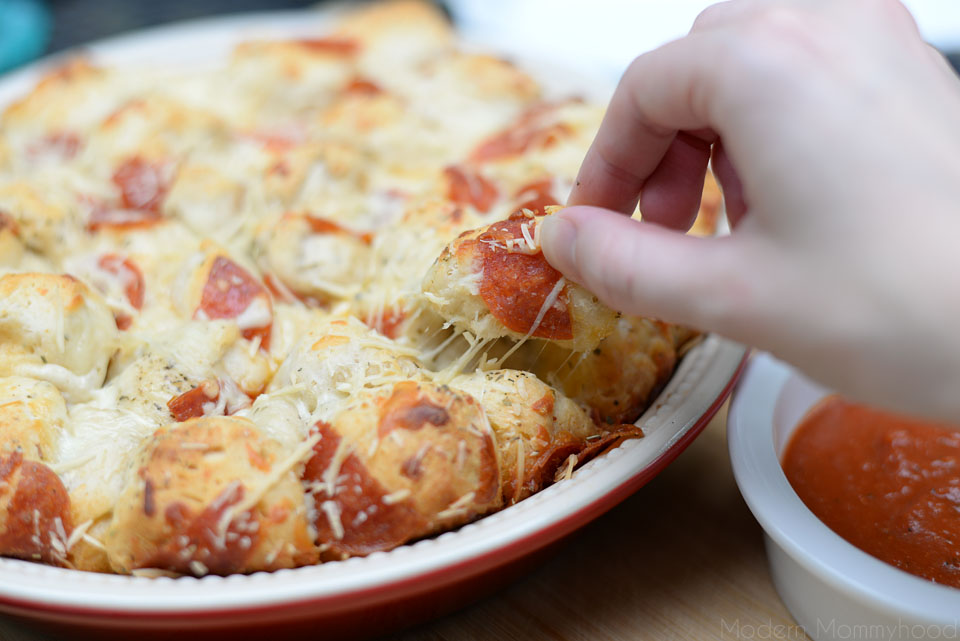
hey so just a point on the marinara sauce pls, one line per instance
(889, 485)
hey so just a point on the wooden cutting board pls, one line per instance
(681, 559)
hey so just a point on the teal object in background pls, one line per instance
(24, 31)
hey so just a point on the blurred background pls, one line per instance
(599, 35)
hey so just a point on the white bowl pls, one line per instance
(833, 589)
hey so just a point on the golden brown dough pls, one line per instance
(35, 521)
(402, 462)
(55, 328)
(210, 496)
(537, 428)
(32, 416)
(44, 222)
(618, 378)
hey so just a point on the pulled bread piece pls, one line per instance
(495, 282)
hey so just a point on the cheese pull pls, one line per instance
(494, 282)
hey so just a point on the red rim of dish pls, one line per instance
(420, 583)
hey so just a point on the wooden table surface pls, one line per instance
(681, 559)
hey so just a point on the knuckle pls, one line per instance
(711, 15)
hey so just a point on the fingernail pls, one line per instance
(558, 238)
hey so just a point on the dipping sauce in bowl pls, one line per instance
(889, 485)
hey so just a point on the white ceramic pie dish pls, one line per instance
(385, 590)
(833, 589)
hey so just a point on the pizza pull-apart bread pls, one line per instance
(401, 462)
(54, 327)
(495, 282)
(211, 496)
(540, 433)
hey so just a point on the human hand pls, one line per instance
(835, 133)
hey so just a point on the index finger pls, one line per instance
(662, 92)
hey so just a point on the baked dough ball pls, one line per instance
(396, 34)
(56, 328)
(339, 359)
(156, 128)
(63, 99)
(32, 416)
(285, 79)
(210, 496)
(316, 259)
(35, 522)
(159, 386)
(43, 223)
(215, 287)
(537, 428)
(401, 462)
(495, 282)
(328, 179)
(620, 377)
(204, 198)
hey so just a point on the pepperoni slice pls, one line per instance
(277, 141)
(388, 322)
(517, 140)
(9, 222)
(356, 520)
(544, 405)
(527, 132)
(229, 292)
(38, 521)
(106, 215)
(320, 225)
(63, 144)
(363, 86)
(470, 188)
(143, 185)
(536, 196)
(408, 409)
(190, 404)
(337, 46)
(128, 274)
(202, 538)
(515, 286)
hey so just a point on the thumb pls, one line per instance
(644, 269)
